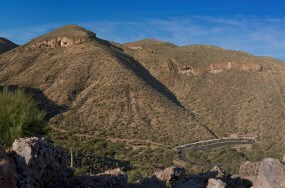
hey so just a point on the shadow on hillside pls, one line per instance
(95, 164)
(45, 104)
(140, 71)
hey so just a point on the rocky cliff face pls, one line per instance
(58, 42)
(219, 67)
(63, 37)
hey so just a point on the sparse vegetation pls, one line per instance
(96, 155)
(228, 101)
(121, 107)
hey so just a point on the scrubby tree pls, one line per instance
(19, 116)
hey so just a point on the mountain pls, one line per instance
(95, 89)
(229, 91)
(6, 45)
(134, 102)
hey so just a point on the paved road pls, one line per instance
(204, 145)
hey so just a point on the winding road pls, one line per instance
(210, 144)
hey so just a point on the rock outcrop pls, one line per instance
(249, 170)
(38, 162)
(219, 67)
(58, 42)
(170, 174)
(271, 174)
(216, 183)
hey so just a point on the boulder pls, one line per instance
(220, 173)
(170, 174)
(271, 174)
(38, 162)
(7, 171)
(249, 170)
(216, 183)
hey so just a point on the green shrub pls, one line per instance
(19, 116)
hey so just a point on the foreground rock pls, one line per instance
(39, 163)
(271, 174)
(249, 170)
(7, 171)
(36, 163)
(216, 183)
(170, 174)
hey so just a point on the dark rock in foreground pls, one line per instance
(39, 163)
(36, 163)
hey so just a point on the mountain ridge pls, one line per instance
(6, 45)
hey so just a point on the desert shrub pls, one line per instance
(19, 116)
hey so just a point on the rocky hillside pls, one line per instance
(95, 88)
(6, 45)
(36, 163)
(134, 102)
(229, 91)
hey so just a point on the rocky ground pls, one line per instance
(34, 162)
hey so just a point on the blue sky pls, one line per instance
(255, 26)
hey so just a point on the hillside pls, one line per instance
(92, 90)
(229, 91)
(6, 45)
(132, 103)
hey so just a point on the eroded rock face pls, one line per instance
(170, 174)
(219, 67)
(7, 171)
(38, 162)
(271, 174)
(58, 42)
